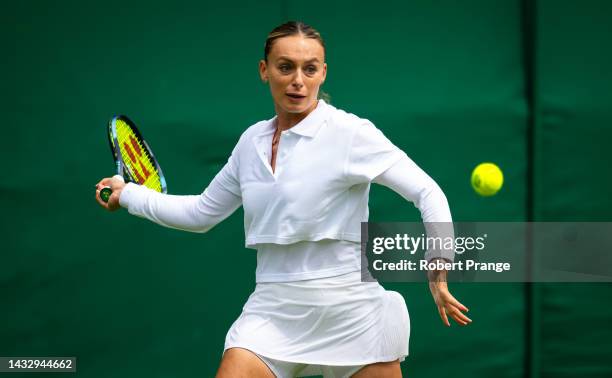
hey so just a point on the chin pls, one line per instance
(297, 108)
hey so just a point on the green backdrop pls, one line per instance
(522, 83)
(573, 120)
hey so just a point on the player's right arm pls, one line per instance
(195, 213)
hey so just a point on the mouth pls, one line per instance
(295, 96)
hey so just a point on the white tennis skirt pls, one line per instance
(333, 321)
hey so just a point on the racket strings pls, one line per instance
(136, 157)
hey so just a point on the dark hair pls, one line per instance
(295, 28)
(288, 29)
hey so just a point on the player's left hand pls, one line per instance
(446, 303)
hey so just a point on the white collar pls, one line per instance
(307, 127)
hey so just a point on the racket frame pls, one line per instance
(122, 168)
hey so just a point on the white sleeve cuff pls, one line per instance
(130, 194)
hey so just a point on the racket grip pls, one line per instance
(106, 192)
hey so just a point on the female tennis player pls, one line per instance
(303, 178)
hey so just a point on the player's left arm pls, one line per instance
(416, 186)
(447, 304)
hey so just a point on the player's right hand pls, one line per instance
(117, 186)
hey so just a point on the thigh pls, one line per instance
(242, 363)
(380, 369)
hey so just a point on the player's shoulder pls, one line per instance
(345, 121)
(255, 129)
(357, 130)
(258, 128)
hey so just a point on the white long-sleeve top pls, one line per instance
(304, 218)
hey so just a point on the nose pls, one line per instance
(298, 79)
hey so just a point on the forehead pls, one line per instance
(297, 47)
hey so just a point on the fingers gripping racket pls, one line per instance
(133, 157)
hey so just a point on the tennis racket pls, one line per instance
(133, 157)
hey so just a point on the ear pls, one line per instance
(263, 71)
(324, 73)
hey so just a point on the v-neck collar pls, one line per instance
(308, 127)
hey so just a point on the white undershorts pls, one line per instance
(283, 369)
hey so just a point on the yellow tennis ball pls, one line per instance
(487, 179)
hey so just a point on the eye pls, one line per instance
(311, 69)
(284, 68)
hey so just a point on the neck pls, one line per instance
(286, 120)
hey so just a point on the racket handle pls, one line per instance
(106, 192)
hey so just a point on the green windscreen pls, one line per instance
(451, 83)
